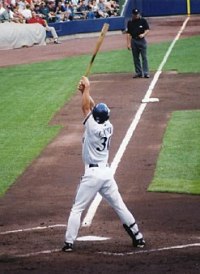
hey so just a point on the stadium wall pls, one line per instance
(88, 26)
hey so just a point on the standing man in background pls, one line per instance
(137, 29)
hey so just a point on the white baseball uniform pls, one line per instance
(98, 177)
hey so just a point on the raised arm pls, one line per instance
(87, 101)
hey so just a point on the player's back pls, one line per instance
(96, 141)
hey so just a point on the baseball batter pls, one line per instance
(98, 176)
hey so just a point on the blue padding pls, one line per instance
(87, 26)
(195, 6)
(149, 8)
(164, 7)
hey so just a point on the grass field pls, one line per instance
(32, 94)
(178, 166)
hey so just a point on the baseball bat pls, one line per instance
(97, 47)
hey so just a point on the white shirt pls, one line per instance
(75, 2)
(2, 10)
(26, 13)
(96, 141)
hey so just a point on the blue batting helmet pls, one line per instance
(101, 113)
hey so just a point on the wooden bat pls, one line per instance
(97, 47)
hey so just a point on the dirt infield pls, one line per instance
(43, 195)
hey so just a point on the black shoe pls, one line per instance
(68, 247)
(139, 243)
(137, 76)
(57, 42)
(146, 76)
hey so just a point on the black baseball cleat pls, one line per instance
(139, 243)
(146, 76)
(68, 247)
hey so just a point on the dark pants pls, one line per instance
(139, 50)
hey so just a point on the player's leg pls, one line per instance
(136, 58)
(53, 33)
(85, 193)
(145, 66)
(111, 193)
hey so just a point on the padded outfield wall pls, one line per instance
(162, 7)
(148, 8)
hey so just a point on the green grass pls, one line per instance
(185, 56)
(30, 95)
(178, 165)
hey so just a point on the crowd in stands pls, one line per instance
(20, 11)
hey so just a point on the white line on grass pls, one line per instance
(97, 200)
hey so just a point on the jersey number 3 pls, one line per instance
(105, 144)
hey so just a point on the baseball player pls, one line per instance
(137, 29)
(98, 176)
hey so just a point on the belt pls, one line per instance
(97, 165)
(137, 38)
(93, 165)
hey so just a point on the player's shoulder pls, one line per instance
(143, 19)
(108, 124)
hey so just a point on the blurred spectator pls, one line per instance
(69, 14)
(112, 7)
(15, 15)
(60, 11)
(82, 8)
(44, 9)
(92, 6)
(90, 13)
(38, 12)
(102, 9)
(36, 19)
(63, 12)
(26, 12)
(10, 13)
(4, 13)
(21, 4)
(52, 12)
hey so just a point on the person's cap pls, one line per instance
(135, 11)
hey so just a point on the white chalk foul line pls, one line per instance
(50, 251)
(150, 250)
(31, 229)
(27, 255)
(159, 71)
(97, 200)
